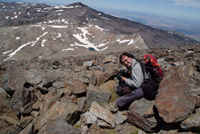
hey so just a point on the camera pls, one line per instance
(123, 73)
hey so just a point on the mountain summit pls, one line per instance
(31, 30)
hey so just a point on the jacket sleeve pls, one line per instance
(136, 78)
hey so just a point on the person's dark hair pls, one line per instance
(126, 54)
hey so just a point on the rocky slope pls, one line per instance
(30, 31)
(75, 95)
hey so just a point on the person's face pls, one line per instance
(126, 61)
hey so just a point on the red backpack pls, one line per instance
(155, 74)
(156, 70)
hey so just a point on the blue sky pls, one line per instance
(186, 9)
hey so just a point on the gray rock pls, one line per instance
(88, 118)
(93, 80)
(192, 122)
(88, 63)
(60, 126)
(94, 94)
(34, 77)
(119, 118)
(13, 79)
(102, 114)
(174, 95)
(135, 115)
(20, 98)
(28, 129)
(81, 103)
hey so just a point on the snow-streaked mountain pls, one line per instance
(40, 31)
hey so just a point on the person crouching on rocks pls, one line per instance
(129, 88)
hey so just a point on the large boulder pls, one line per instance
(96, 94)
(174, 95)
(52, 109)
(192, 122)
(136, 115)
(21, 97)
(103, 114)
(60, 126)
(35, 77)
(13, 79)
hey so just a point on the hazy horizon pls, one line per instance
(182, 9)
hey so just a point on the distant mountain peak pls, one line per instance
(77, 4)
(36, 30)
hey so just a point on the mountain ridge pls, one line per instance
(78, 28)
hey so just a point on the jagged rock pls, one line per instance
(88, 118)
(135, 115)
(28, 129)
(39, 95)
(52, 108)
(110, 58)
(21, 97)
(119, 118)
(37, 105)
(35, 77)
(102, 114)
(81, 103)
(164, 64)
(108, 74)
(96, 72)
(128, 129)
(59, 100)
(60, 126)
(58, 84)
(108, 85)
(174, 95)
(80, 68)
(104, 77)
(169, 58)
(103, 124)
(7, 116)
(64, 91)
(79, 87)
(3, 97)
(94, 94)
(93, 80)
(11, 129)
(27, 109)
(96, 130)
(76, 86)
(34, 113)
(88, 63)
(192, 122)
(25, 121)
(13, 79)
(179, 63)
(95, 63)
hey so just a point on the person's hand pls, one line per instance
(123, 78)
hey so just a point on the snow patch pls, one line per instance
(57, 26)
(34, 42)
(18, 49)
(7, 52)
(72, 49)
(136, 46)
(131, 42)
(101, 28)
(43, 41)
(122, 41)
(60, 10)
(102, 44)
